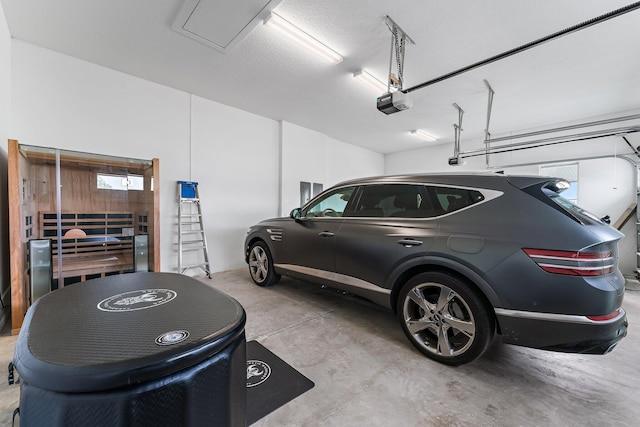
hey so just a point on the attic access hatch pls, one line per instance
(221, 24)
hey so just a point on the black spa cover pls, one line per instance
(133, 332)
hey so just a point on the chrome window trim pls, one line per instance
(327, 191)
(487, 193)
(554, 317)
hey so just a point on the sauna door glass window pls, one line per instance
(120, 182)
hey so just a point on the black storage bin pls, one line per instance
(141, 349)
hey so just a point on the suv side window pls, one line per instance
(332, 204)
(394, 200)
(453, 199)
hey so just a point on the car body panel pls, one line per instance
(310, 243)
(388, 245)
(482, 243)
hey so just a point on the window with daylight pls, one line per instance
(568, 171)
(120, 182)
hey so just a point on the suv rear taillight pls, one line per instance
(592, 262)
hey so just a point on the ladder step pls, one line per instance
(192, 249)
(192, 232)
(195, 266)
(190, 242)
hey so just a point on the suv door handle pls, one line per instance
(410, 242)
(326, 234)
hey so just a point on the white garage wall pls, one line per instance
(58, 101)
(304, 158)
(5, 127)
(62, 102)
(5, 81)
(606, 186)
(423, 160)
(313, 157)
(235, 158)
(346, 161)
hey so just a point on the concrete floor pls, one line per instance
(366, 373)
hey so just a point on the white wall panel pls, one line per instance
(304, 158)
(239, 159)
(235, 158)
(347, 161)
(5, 82)
(430, 159)
(63, 102)
(313, 157)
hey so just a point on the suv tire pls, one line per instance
(445, 318)
(261, 265)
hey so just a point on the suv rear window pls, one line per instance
(577, 212)
(394, 200)
(454, 199)
(411, 200)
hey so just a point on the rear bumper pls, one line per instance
(561, 332)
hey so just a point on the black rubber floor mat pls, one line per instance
(271, 382)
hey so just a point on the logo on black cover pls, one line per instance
(257, 372)
(173, 337)
(137, 300)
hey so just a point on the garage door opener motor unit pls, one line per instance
(390, 103)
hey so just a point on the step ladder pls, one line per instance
(191, 235)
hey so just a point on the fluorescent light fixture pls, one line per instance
(278, 22)
(424, 135)
(371, 81)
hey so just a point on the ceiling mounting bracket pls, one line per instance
(487, 134)
(457, 128)
(399, 39)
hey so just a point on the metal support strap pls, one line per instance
(399, 39)
(455, 160)
(487, 134)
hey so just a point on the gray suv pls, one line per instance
(458, 258)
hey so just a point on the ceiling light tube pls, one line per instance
(368, 79)
(424, 135)
(295, 33)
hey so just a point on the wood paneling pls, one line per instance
(16, 252)
(32, 189)
(101, 244)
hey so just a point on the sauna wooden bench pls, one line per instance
(93, 243)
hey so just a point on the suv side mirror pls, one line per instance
(295, 214)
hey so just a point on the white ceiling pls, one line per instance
(586, 74)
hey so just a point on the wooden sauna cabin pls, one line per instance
(90, 215)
